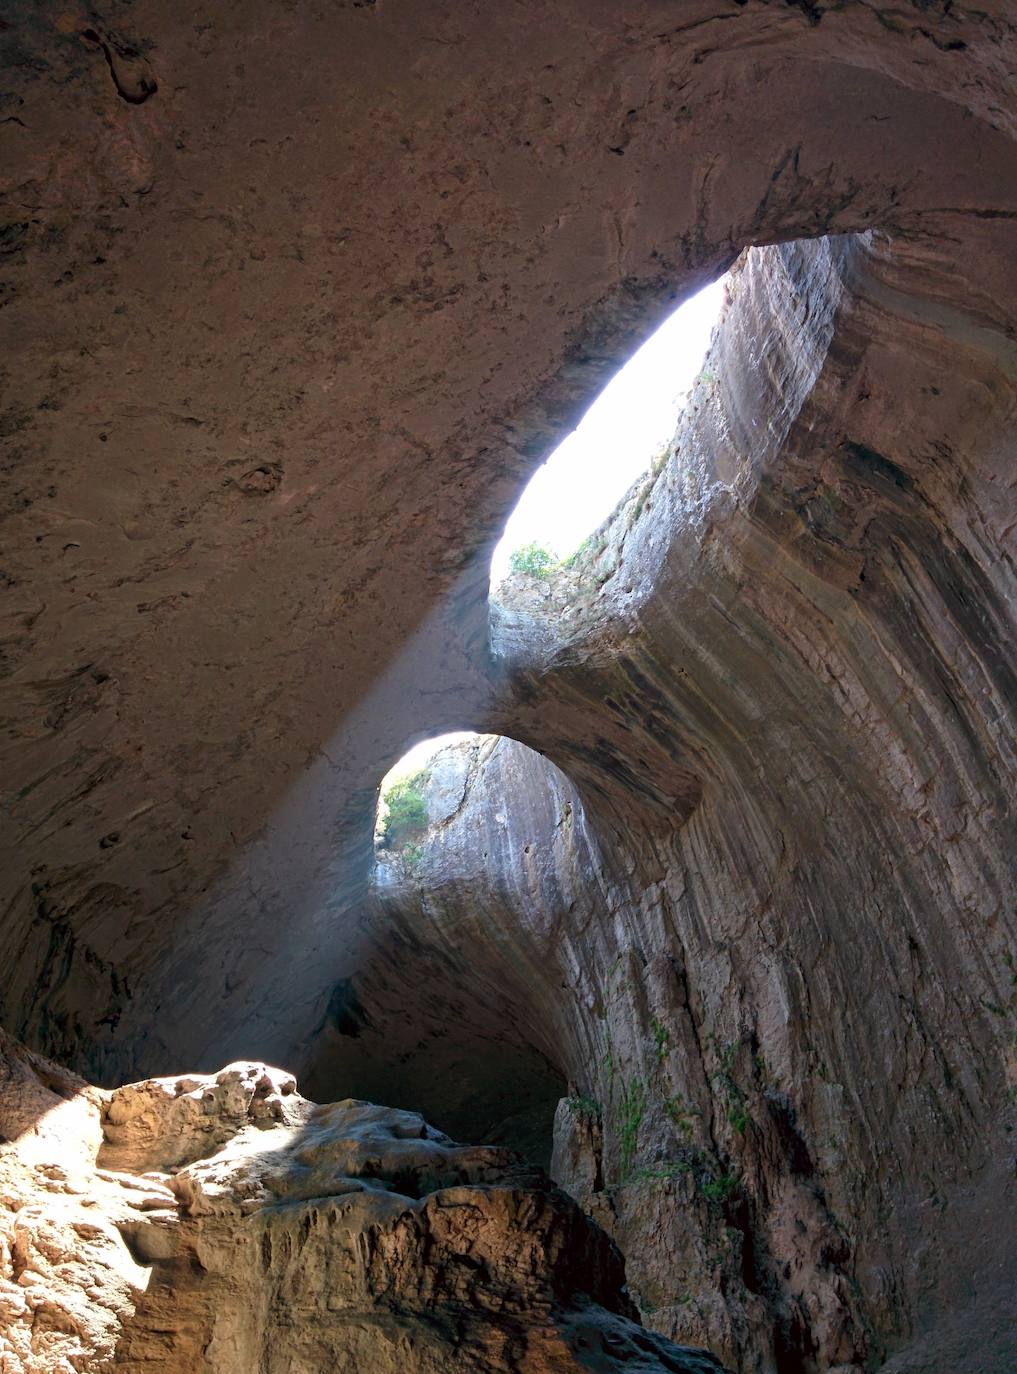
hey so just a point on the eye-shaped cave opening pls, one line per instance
(455, 1013)
(557, 937)
(623, 436)
(488, 867)
(691, 423)
(405, 800)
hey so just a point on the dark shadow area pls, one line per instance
(483, 1091)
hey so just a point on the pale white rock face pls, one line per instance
(68, 1281)
(165, 1122)
(223, 1223)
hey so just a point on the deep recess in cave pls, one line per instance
(722, 922)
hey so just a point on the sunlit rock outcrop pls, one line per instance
(224, 1223)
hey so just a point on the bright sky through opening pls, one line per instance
(590, 471)
(616, 440)
(414, 759)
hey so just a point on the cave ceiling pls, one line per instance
(295, 299)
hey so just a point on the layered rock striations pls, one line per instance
(284, 338)
(224, 1223)
(764, 925)
(675, 1141)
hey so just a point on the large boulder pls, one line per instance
(224, 1223)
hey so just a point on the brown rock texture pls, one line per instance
(283, 340)
(223, 1223)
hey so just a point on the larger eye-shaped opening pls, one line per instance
(623, 434)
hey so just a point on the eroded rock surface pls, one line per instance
(282, 342)
(224, 1223)
(68, 1282)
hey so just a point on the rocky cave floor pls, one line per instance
(224, 1222)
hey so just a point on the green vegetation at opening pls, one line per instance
(540, 563)
(533, 560)
(405, 815)
(591, 546)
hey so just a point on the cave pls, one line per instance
(677, 1029)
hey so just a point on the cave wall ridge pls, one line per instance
(761, 923)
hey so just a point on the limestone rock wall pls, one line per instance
(764, 924)
(707, 1184)
(843, 891)
(295, 297)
